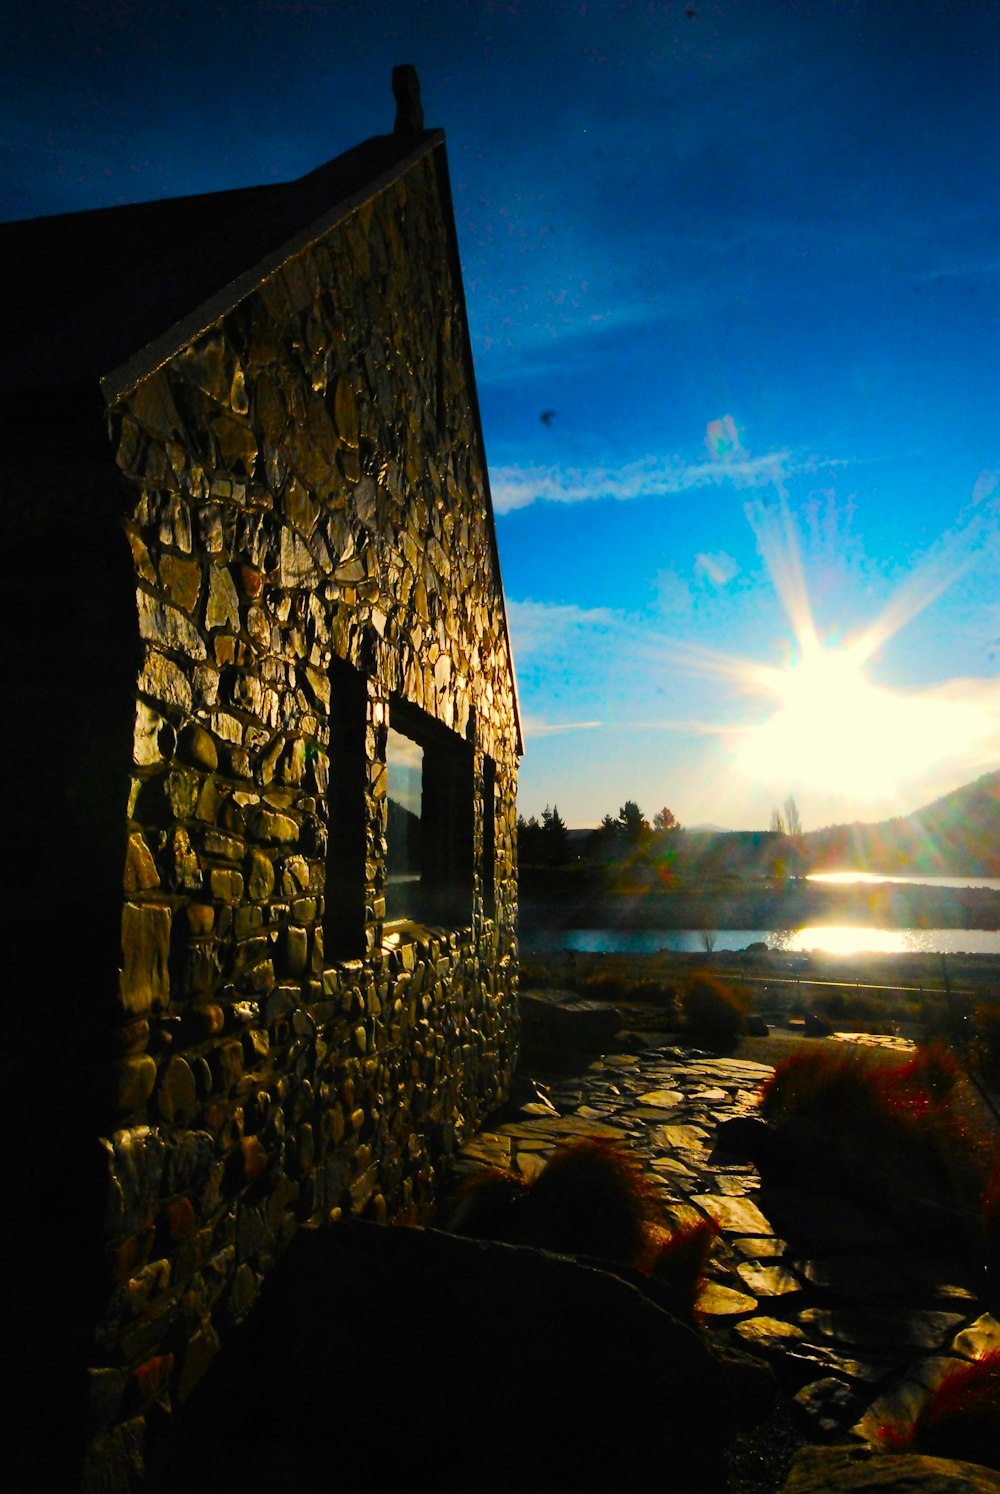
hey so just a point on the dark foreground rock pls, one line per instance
(559, 1029)
(375, 1351)
(818, 1470)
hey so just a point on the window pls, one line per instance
(429, 865)
(344, 916)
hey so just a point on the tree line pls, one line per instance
(545, 841)
(628, 837)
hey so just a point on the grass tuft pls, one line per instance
(679, 1256)
(591, 1198)
(897, 1132)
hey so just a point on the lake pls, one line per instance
(852, 935)
(831, 938)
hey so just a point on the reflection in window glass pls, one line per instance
(404, 828)
(429, 862)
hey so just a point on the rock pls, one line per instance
(818, 1470)
(177, 1095)
(145, 978)
(558, 1025)
(223, 609)
(827, 1405)
(197, 747)
(546, 1323)
(134, 1078)
(744, 1136)
(140, 868)
(826, 1221)
(816, 1025)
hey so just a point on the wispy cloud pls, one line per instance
(549, 627)
(717, 567)
(650, 477)
(535, 726)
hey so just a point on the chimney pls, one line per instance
(406, 92)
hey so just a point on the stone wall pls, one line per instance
(306, 487)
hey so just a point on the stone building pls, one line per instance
(262, 759)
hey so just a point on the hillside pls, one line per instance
(958, 834)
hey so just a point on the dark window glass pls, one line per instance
(489, 837)
(344, 917)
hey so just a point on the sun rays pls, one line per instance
(821, 721)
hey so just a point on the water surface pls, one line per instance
(844, 939)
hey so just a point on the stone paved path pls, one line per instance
(856, 1327)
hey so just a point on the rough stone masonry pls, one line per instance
(306, 505)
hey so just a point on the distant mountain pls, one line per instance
(956, 835)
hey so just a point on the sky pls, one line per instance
(733, 282)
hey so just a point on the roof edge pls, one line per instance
(444, 187)
(120, 381)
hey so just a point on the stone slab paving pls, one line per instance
(856, 1331)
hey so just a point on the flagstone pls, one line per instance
(867, 1371)
(857, 1278)
(489, 1147)
(736, 1187)
(662, 1099)
(981, 1337)
(770, 1334)
(828, 1404)
(900, 1328)
(768, 1281)
(716, 1300)
(687, 1138)
(671, 1165)
(761, 1248)
(901, 1405)
(737, 1215)
(682, 1216)
(529, 1165)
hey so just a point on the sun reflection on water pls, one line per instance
(850, 939)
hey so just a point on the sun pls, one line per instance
(832, 728)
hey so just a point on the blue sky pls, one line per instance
(749, 256)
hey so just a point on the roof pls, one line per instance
(87, 291)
